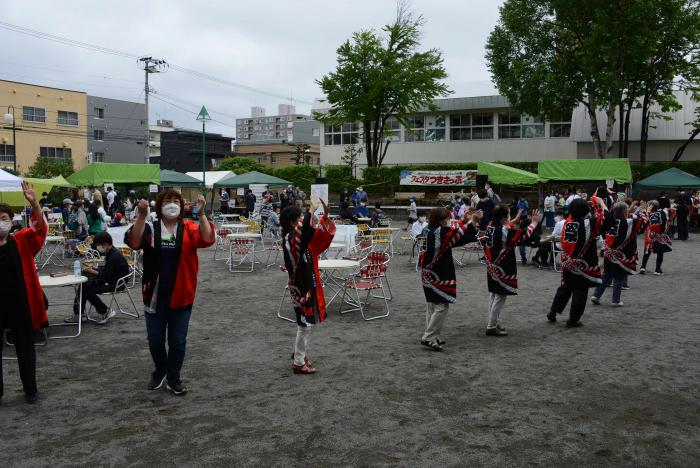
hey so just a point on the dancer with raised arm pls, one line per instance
(304, 239)
(438, 268)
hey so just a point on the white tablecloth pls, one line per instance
(345, 233)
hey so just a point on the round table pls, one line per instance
(234, 226)
(76, 282)
(337, 264)
(244, 235)
(336, 284)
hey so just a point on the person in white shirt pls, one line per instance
(418, 227)
(111, 194)
(550, 209)
(577, 194)
(412, 213)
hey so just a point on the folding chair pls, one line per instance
(285, 295)
(369, 279)
(556, 255)
(381, 258)
(221, 239)
(119, 288)
(420, 243)
(468, 250)
(381, 239)
(276, 247)
(239, 252)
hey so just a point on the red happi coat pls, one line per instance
(438, 272)
(656, 238)
(620, 251)
(499, 248)
(301, 248)
(29, 242)
(580, 257)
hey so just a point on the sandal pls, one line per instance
(434, 345)
(306, 360)
(305, 369)
(440, 342)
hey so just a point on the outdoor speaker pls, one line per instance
(481, 181)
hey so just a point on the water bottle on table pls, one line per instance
(77, 269)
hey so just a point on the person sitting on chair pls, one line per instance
(102, 281)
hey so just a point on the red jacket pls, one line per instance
(29, 242)
(185, 286)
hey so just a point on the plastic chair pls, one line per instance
(381, 239)
(556, 255)
(369, 279)
(119, 288)
(381, 258)
(239, 251)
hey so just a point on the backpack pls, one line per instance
(72, 223)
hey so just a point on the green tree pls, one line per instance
(380, 76)
(351, 154)
(302, 153)
(242, 164)
(45, 168)
(551, 55)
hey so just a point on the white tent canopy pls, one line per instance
(9, 182)
(212, 177)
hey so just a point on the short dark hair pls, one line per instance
(102, 238)
(579, 208)
(5, 208)
(499, 212)
(482, 193)
(289, 217)
(377, 205)
(664, 202)
(167, 193)
(437, 215)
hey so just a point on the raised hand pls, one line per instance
(29, 193)
(142, 207)
(325, 206)
(536, 216)
(476, 217)
(201, 204)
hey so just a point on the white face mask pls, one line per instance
(101, 249)
(171, 210)
(5, 227)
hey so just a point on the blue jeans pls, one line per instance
(549, 219)
(618, 279)
(176, 322)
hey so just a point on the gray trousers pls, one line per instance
(496, 303)
(435, 316)
(300, 344)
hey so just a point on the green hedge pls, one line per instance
(340, 177)
(301, 175)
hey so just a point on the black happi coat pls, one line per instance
(438, 271)
(620, 251)
(580, 257)
(657, 238)
(499, 247)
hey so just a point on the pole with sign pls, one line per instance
(203, 117)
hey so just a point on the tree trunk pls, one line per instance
(628, 114)
(609, 129)
(645, 130)
(595, 133)
(367, 132)
(621, 128)
(681, 149)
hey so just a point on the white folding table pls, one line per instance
(76, 282)
(54, 246)
(333, 281)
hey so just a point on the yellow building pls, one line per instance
(50, 122)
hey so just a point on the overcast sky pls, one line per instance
(277, 46)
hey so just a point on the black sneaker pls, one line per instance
(496, 332)
(552, 317)
(31, 398)
(573, 324)
(157, 381)
(177, 388)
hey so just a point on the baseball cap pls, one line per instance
(67, 201)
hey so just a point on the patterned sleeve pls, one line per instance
(323, 235)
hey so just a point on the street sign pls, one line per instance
(203, 114)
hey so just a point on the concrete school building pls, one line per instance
(485, 128)
(62, 124)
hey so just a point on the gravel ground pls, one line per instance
(622, 390)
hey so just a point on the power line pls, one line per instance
(189, 110)
(119, 53)
(68, 81)
(69, 72)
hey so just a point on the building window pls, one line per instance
(315, 132)
(435, 128)
(33, 114)
(560, 128)
(99, 112)
(477, 126)
(98, 157)
(514, 125)
(7, 153)
(392, 130)
(416, 129)
(345, 134)
(98, 135)
(67, 118)
(55, 153)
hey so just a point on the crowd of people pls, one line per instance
(583, 230)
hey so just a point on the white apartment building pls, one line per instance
(269, 129)
(485, 128)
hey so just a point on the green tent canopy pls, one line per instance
(617, 169)
(170, 178)
(506, 175)
(115, 173)
(670, 179)
(252, 177)
(16, 198)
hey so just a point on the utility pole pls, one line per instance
(150, 65)
(203, 117)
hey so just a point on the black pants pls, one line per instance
(23, 338)
(659, 260)
(91, 289)
(682, 222)
(579, 297)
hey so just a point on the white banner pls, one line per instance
(446, 178)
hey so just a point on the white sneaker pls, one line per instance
(617, 304)
(105, 317)
(595, 300)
